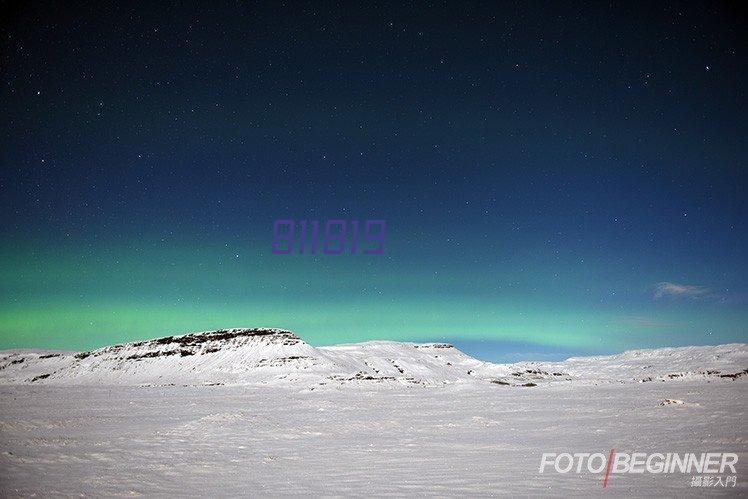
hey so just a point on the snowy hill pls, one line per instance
(276, 356)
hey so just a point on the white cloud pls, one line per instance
(644, 322)
(671, 289)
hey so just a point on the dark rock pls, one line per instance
(499, 382)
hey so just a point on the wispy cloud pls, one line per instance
(675, 290)
(644, 322)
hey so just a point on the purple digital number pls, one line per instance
(354, 238)
(378, 237)
(329, 236)
(277, 236)
(302, 237)
(315, 231)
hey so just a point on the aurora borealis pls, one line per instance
(569, 184)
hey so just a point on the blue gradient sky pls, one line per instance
(556, 179)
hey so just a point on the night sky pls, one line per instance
(558, 178)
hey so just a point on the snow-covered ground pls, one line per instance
(266, 414)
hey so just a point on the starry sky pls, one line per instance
(557, 178)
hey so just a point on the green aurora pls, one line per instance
(65, 297)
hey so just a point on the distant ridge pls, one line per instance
(271, 356)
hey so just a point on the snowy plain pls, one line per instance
(380, 418)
